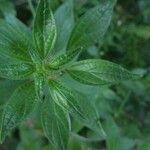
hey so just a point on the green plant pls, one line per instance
(31, 57)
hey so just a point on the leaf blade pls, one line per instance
(78, 106)
(19, 106)
(44, 30)
(15, 40)
(99, 72)
(55, 124)
(92, 26)
(63, 59)
(65, 22)
(18, 71)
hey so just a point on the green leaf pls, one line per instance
(18, 71)
(99, 72)
(7, 8)
(15, 40)
(44, 30)
(7, 88)
(92, 26)
(39, 85)
(56, 125)
(19, 106)
(78, 105)
(63, 59)
(65, 22)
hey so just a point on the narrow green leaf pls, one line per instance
(56, 125)
(19, 71)
(92, 26)
(99, 72)
(44, 31)
(15, 39)
(65, 22)
(78, 105)
(39, 85)
(64, 59)
(17, 109)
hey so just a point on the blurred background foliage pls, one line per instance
(124, 109)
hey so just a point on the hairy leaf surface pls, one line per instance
(55, 123)
(15, 40)
(19, 106)
(98, 72)
(44, 31)
(39, 85)
(77, 104)
(63, 59)
(19, 71)
(92, 26)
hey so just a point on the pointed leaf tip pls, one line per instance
(99, 72)
(44, 30)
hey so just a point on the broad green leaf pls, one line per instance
(44, 30)
(65, 22)
(15, 39)
(56, 124)
(63, 59)
(92, 26)
(16, 71)
(99, 72)
(78, 105)
(19, 106)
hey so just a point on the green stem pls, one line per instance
(31, 7)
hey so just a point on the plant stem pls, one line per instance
(31, 7)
